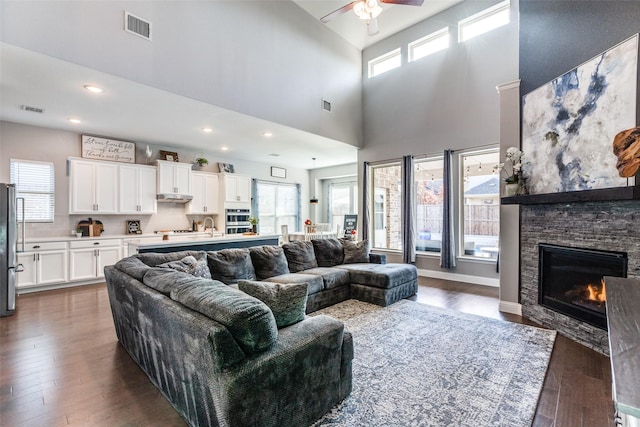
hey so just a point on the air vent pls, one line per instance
(326, 105)
(137, 26)
(33, 109)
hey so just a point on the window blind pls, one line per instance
(35, 183)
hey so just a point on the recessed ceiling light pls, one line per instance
(93, 89)
(207, 130)
(224, 148)
(267, 134)
(74, 121)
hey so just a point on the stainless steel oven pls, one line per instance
(237, 221)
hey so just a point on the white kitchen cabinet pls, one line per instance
(174, 177)
(237, 188)
(43, 264)
(137, 189)
(87, 258)
(93, 187)
(205, 193)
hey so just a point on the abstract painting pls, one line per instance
(568, 124)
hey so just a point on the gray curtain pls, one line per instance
(364, 233)
(254, 198)
(448, 247)
(408, 211)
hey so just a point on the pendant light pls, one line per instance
(314, 199)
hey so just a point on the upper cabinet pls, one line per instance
(237, 188)
(174, 177)
(93, 187)
(138, 189)
(205, 193)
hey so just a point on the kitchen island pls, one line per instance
(201, 243)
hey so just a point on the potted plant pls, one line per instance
(200, 161)
(254, 224)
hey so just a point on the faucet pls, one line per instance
(205, 224)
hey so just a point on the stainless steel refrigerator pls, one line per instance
(8, 248)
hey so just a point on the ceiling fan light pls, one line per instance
(360, 10)
(375, 11)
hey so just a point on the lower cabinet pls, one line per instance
(87, 259)
(43, 263)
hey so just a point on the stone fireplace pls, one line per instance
(610, 226)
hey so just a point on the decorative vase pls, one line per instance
(511, 189)
(254, 228)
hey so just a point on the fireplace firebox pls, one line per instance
(571, 280)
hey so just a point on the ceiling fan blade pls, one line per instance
(344, 9)
(372, 27)
(404, 2)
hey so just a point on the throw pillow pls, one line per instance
(329, 252)
(231, 265)
(300, 256)
(189, 264)
(356, 252)
(268, 261)
(288, 302)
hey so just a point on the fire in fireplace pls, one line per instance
(571, 280)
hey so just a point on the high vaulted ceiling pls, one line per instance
(394, 18)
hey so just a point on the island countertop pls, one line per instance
(202, 243)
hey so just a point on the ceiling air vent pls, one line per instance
(33, 109)
(326, 105)
(137, 26)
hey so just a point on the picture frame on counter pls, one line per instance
(97, 148)
(169, 156)
(277, 172)
(133, 227)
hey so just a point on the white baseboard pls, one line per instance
(31, 289)
(510, 307)
(476, 280)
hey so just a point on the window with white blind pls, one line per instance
(35, 183)
(277, 205)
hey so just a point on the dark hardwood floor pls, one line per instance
(60, 364)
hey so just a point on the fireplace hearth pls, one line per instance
(571, 280)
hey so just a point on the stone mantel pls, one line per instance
(599, 195)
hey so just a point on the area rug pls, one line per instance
(419, 365)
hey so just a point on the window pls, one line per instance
(484, 21)
(343, 199)
(386, 218)
(384, 63)
(430, 44)
(278, 205)
(481, 203)
(35, 183)
(428, 184)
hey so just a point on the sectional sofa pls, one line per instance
(224, 334)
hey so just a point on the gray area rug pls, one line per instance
(419, 365)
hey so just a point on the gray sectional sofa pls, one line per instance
(224, 334)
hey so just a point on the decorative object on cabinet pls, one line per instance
(278, 172)
(170, 156)
(97, 148)
(133, 227)
(200, 161)
(226, 168)
(148, 153)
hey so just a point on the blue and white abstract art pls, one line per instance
(568, 124)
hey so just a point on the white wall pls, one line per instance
(267, 59)
(18, 141)
(447, 100)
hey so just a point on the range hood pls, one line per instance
(174, 198)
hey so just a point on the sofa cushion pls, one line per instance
(314, 282)
(153, 259)
(288, 302)
(384, 276)
(331, 277)
(231, 265)
(300, 255)
(329, 252)
(355, 252)
(268, 261)
(133, 266)
(195, 266)
(249, 320)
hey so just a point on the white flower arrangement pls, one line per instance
(514, 173)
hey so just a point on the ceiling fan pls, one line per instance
(368, 10)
